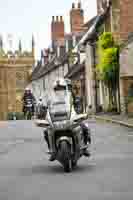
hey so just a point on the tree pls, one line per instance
(109, 65)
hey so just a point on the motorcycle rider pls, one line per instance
(41, 109)
(28, 96)
(84, 127)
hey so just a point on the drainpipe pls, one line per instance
(94, 76)
(119, 96)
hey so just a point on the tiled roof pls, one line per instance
(74, 70)
(90, 22)
(96, 23)
(36, 70)
(54, 63)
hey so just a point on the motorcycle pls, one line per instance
(65, 134)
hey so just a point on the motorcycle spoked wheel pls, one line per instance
(66, 156)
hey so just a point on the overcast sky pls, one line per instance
(21, 18)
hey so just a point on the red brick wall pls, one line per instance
(125, 23)
(126, 18)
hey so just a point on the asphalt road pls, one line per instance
(26, 173)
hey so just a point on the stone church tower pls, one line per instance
(15, 69)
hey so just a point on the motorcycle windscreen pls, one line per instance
(60, 108)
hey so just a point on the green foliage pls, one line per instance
(108, 53)
(108, 65)
(108, 58)
(18, 115)
(106, 40)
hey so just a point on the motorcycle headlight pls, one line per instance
(62, 125)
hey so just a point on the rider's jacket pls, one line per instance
(28, 98)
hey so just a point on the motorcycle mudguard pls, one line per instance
(64, 138)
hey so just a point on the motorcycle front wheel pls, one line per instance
(66, 156)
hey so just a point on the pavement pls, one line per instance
(123, 120)
(26, 173)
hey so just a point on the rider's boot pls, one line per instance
(86, 153)
(52, 155)
(46, 138)
(86, 141)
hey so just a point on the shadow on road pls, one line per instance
(58, 169)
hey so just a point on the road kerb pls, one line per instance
(114, 121)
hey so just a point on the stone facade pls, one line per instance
(15, 69)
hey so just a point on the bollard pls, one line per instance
(14, 116)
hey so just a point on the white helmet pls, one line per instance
(60, 82)
(27, 89)
(40, 98)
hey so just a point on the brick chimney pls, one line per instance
(57, 30)
(76, 18)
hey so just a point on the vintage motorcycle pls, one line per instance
(65, 134)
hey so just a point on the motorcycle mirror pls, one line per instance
(42, 123)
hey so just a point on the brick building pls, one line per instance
(120, 18)
(56, 63)
(15, 69)
(120, 23)
(58, 35)
(126, 76)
